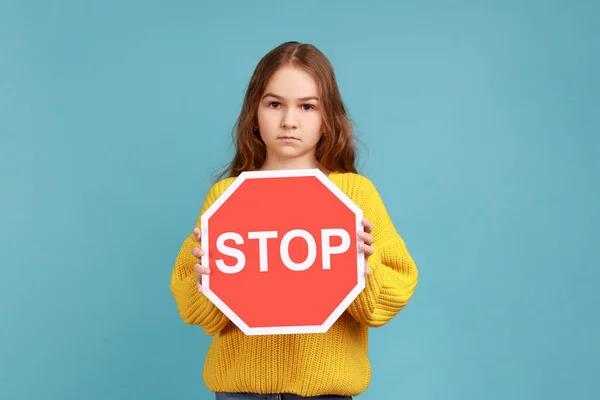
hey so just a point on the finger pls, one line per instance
(367, 270)
(197, 234)
(368, 226)
(367, 237)
(368, 250)
(197, 252)
(200, 270)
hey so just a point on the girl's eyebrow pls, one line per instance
(300, 99)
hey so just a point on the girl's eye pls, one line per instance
(274, 104)
(308, 107)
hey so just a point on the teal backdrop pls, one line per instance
(480, 124)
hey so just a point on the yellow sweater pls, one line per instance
(335, 362)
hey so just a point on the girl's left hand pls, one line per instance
(367, 242)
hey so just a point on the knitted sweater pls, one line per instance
(335, 362)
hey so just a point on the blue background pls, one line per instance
(481, 121)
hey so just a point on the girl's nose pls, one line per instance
(289, 121)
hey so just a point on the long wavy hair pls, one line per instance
(336, 150)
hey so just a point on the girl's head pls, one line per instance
(293, 115)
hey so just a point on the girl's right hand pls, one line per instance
(198, 268)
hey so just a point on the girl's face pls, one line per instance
(290, 119)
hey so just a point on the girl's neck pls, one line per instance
(295, 163)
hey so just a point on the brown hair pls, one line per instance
(336, 150)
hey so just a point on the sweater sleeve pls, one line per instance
(394, 275)
(195, 308)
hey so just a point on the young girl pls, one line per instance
(293, 117)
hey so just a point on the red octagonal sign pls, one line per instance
(283, 252)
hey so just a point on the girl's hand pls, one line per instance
(198, 268)
(368, 240)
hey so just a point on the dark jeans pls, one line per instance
(253, 396)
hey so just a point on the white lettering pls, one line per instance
(285, 251)
(326, 248)
(230, 251)
(262, 237)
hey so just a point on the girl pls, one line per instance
(293, 117)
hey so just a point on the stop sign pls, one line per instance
(283, 252)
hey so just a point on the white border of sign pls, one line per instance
(344, 304)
